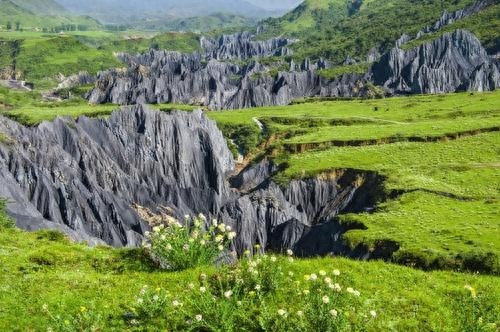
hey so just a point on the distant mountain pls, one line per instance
(281, 5)
(340, 30)
(219, 21)
(122, 11)
(29, 14)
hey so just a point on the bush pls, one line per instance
(5, 221)
(196, 243)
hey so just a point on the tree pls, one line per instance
(18, 26)
(9, 25)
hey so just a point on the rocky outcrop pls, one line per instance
(241, 46)
(454, 62)
(85, 176)
(170, 77)
(449, 18)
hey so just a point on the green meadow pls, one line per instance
(438, 156)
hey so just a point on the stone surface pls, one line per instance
(454, 62)
(85, 176)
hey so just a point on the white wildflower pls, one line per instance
(231, 235)
(325, 299)
(313, 277)
(373, 313)
(228, 294)
(336, 272)
(198, 318)
(176, 304)
(273, 258)
(289, 252)
(203, 289)
(281, 312)
(300, 313)
(334, 313)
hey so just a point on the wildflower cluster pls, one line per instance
(175, 246)
(254, 295)
(84, 319)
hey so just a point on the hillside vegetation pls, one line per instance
(49, 283)
(30, 14)
(336, 29)
(41, 57)
(438, 157)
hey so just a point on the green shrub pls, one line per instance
(5, 221)
(178, 247)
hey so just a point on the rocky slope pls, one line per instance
(454, 62)
(85, 177)
(242, 46)
(451, 63)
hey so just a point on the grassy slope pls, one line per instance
(39, 14)
(319, 24)
(423, 220)
(41, 57)
(41, 268)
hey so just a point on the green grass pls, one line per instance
(41, 57)
(442, 168)
(42, 268)
(40, 14)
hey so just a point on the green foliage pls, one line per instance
(337, 71)
(39, 14)
(108, 283)
(245, 136)
(5, 221)
(484, 25)
(178, 247)
(330, 29)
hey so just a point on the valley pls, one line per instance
(346, 149)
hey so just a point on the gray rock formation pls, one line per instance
(170, 77)
(449, 18)
(241, 46)
(451, 63)
(84, 177)
(454, 62)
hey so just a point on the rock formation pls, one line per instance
(451, 63)
(454, 62)
(85, 176)
(241, 46)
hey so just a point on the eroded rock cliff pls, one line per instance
(454, 62)
(84, 177)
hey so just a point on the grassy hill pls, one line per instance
(33, 14)
(40, 57)
(50, 283)
(437, 155)
(336, 29)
